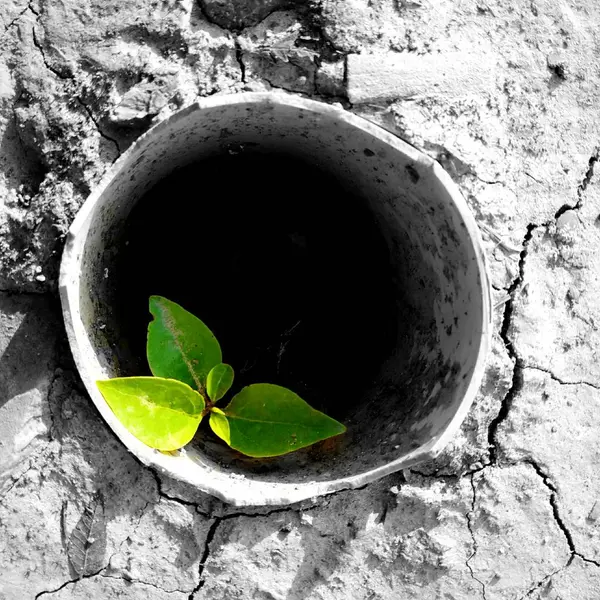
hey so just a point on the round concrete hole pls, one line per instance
(326, 256)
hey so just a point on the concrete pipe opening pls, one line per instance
(326, 256)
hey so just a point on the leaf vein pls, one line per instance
(169, 322)
(162, 406)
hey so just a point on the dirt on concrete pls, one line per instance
(511, 509)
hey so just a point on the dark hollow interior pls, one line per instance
(283, 264)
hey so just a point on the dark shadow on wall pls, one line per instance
(29, 325)
(21, 166)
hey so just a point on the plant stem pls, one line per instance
(208, 403)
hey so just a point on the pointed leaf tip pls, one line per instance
(269, 420)
(180, 346)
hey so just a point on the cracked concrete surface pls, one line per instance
(511, 509)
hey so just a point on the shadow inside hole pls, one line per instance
(285, 266)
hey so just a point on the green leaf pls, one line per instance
(270, 420)
(219, 381)
(220, 425)
(180, 346)
(162, 413)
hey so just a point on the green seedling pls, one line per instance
(189, 378)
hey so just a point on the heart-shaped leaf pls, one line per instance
(180, 346)
(162, 413)
(219, 381)
(270, 420)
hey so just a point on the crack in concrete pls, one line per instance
(163, 494)
(587, 178)
(29, 8)
(488, 182)
(234, 514)
(517, 378)
(16, 481)
(213, 530)
(517, 385)
(470, 527)
(93, 119)
(66, 583)
(239, 53)
(39, 46)
(107, 565)
(140, 582)
(285, 89)
(62, 76)
(558, 379)
(205, 555)
(100, 574)
(16, 19)
(555, 510)
(217, 520)
(532, 177)
(507, 402)
(553, 500)
(545, 579)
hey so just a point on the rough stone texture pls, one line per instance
(269, 52)
(386, 543)
(513, 525)
(549, 418)
(385, 76)
(580, 580)
(174, 532)
(519, 152)
(511, 509)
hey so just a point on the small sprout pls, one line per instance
(219, 381)
(164, 411)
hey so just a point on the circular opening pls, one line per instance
(324, 254)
